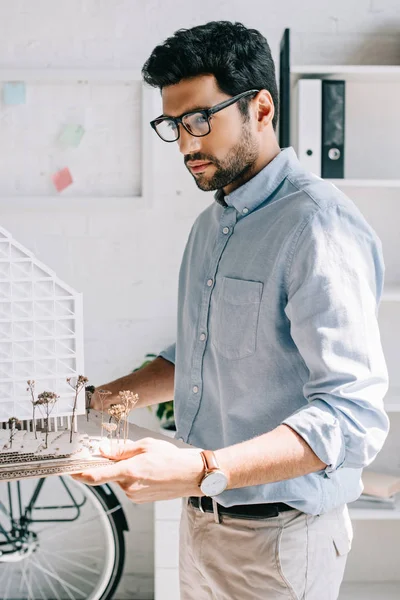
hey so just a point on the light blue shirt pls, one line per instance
(279, 290)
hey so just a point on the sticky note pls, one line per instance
(71, 135)
(62, 179)
(14, 92)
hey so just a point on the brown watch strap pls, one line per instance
(209, 460)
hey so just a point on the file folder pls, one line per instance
(309, 124)
(333, 128)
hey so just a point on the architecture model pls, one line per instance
(42, 390)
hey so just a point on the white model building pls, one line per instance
(41, 335)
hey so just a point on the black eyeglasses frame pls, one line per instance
(207, 112)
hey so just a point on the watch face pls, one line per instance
(215, 483)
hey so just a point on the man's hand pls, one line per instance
(149, 470)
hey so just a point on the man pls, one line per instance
(278, 372)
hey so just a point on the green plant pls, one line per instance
(165, 410)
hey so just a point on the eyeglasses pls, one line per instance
(197, 122)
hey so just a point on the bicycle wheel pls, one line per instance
(60, 540)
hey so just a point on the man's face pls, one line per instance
(222, 158)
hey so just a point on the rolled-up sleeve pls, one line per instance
(169, 353)
(334, 286)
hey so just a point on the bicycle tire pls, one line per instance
(103, 499)
(119, 523)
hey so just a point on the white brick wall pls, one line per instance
(126, 262)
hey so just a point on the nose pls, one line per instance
(188, 144)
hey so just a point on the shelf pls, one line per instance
(391, 293)
(392, 406)
(349, 72)
(374, 514)
(371, 590)
(366, 183)
(392, 400)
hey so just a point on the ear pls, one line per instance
(265, 109)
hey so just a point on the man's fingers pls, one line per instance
(100, 475)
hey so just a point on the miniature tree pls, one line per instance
(117, 412)
(77, 387)
(129, 401)
(31, 389)
(46, 402)
(13, 422)
(103, 395)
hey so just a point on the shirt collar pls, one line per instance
(259, 188)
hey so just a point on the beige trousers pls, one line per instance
(295, 556)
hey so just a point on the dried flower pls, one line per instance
(129, 401)
(31, 389)
(46, 402)
(103, 395)
(46, 398)
(117, 412)
(13, 422)
(78, 384)
(110, 427)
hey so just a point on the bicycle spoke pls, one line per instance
(79, 551)
(21, 583)
(79, 524)
(74, 562)
(2, 577)
(76, 576)
(61, 581)
(48, 580)
(37, 579)
(8, 585)
(27, 583)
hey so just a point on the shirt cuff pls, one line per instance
(169, 353)
(316, 424)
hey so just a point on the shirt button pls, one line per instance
(210, 282)
(202, 337)
(195, 389)
(245, 211)
(225, 230)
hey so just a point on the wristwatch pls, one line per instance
(214, 481)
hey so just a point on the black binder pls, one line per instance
(284, 90)
(333, 124)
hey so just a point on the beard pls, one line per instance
(234, 168)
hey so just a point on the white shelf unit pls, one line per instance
(374, 514)
(392, 400)
(388, 590)
(166, 549)
(349, 72)
(391, 293)
(361, 109)
(366, 183)
(358, 79)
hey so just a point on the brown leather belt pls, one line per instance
(245, 511)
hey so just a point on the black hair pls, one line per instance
(239, 58)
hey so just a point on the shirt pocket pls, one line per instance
(235, 318)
